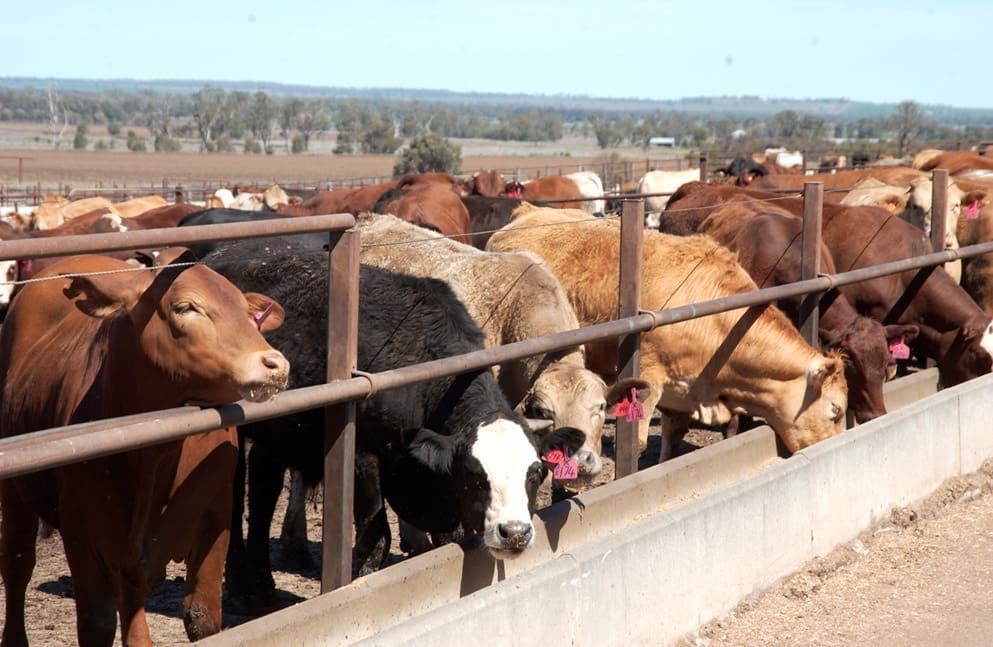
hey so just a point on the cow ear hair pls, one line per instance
(829, 338)
(271, 313)
(430, 449)
(622, 388)
(105, 296)
(821, 370)
(569, 436)
(909, 332)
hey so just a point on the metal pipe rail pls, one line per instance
(30, 248)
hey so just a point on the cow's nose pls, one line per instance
(588, 462)
(274, 361)
(515, 533)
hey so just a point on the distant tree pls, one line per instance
(429, 153)
(165, 144)
(313, 118)
(262, 116)
(299, 145)
(252, 146)
(909, 123)
(208, 107)
(785, 124)
(378, 138)
(114, 129)
(136, 144)
(80, 141)
(606, 132)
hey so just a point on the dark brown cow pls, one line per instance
(954, 331)
(486, 215)
(959, 163)
(432, 205)
(768, 242)
(98, 346)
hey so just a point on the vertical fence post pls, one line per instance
(339, 419)
(704, 173)
(628, 353)
(810, 259)
(803, 162)
(939, 208)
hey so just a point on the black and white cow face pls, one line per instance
(500, 480)
(495, 474)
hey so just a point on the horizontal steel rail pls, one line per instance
(30, 248)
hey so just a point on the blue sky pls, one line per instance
(930, 52)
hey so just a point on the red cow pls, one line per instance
(107, 345)
(550, 187)
(432, 205)
(361, 199)
(954, 331)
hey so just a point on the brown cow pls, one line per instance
(954, 331)
(960, 164)
(752, 359)
(432, 206)
(487, 183)
(360, 199)
(550, 187)
(100, 346)
(767, 240)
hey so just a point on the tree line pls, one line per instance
(228, 121)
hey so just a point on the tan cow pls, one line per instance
(749, 359)
(50, 215)
(137, 206)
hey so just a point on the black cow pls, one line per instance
(444, 453)
(742, 170)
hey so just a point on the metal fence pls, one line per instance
(60, 446)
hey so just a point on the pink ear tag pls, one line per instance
(566, 470)
(554, 456)
(899, 349)
(623, 408)
(636, 411)
(972, 211)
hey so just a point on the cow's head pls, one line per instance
(962, 353)
(494, 474)
(864, 346)
(192, 327)
(824, 401)
(571, 397)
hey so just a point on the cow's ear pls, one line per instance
(571, 437)
(430, 449)
(821, 369)
(622, 389)
(909, 332)
(108, 295)
(829, 337)
(268, 314)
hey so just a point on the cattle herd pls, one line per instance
(448, 266)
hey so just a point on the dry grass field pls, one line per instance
(27, 157)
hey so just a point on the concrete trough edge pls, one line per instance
(582, 552)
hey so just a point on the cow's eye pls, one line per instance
(185, 308)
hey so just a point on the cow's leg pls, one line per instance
(204, 565)
(236, 563)
(675, 425)
(134, 623)
(294, 548)
(18, 529)
(372, 530)
(265, 482)
(95, 591)
(413, 541)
